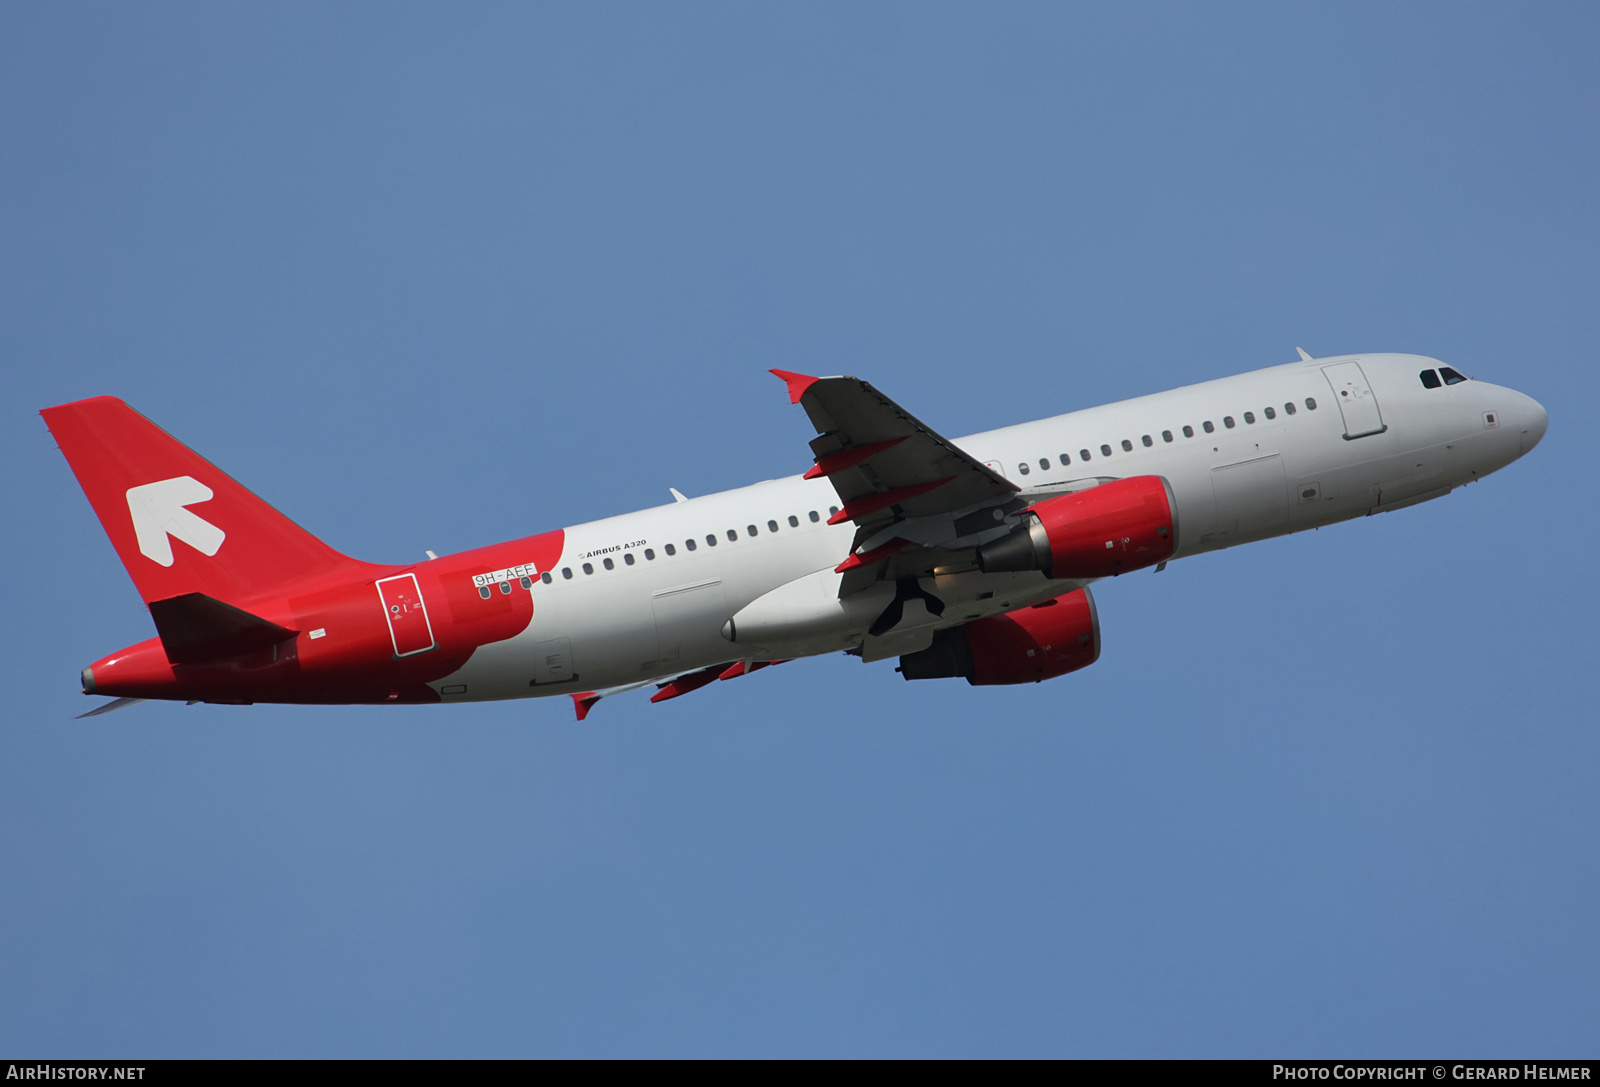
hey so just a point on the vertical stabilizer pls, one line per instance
(179, 523)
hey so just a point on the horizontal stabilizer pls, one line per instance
(114, 704)
(196, 628)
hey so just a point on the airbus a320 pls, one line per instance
(968, 558)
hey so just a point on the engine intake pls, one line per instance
(1025, 646)
(1123, 525)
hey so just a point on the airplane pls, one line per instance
(965, 559)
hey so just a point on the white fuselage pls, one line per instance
(1247, 458)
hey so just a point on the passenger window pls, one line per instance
(649, 555)
(711, 539)
(546, 578)
(1188, 431)
(690, 544)
(733, 534)
(1127, 446)
(1105, 450)
(1166, 435)
(772, 526)
(1023, 467)
(1288, 407)
(794, 522)
(751, 529)
(1209, 427)
(1430, 379)
(1451, 377)
(627, 557)
(1083, 454)
(833, 510)
(1148, 442)
(566, 573)
(483, 591)
(505, 587)
(527, 583)
(1065, 460)
(814, 517)
(609, 565)
(588, 567)
(1044, 464)
(1269, 413)
(1250, 417)
(670, 550)
(1227, 421)
(1311, 403)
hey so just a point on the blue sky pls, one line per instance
(437, 276)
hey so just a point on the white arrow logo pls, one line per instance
(158, 512)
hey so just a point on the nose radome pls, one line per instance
(1533, 420)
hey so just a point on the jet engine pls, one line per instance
(1024, 646)
(1123, 525)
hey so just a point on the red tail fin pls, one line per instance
(142, 483)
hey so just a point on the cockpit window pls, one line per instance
(1451, 377)
(1430, 379)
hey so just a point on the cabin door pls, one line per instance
(1356, 402)
(409, 628)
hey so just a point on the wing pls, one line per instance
(907, 488)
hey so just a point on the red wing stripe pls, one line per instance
(849, 458)
(798, 383)
(872, 503)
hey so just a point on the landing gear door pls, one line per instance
(1357, 404)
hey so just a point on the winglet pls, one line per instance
(798, 383)
(583, 702)
(1303, 356)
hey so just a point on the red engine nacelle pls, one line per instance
(1123, 525)
(1026, 646)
